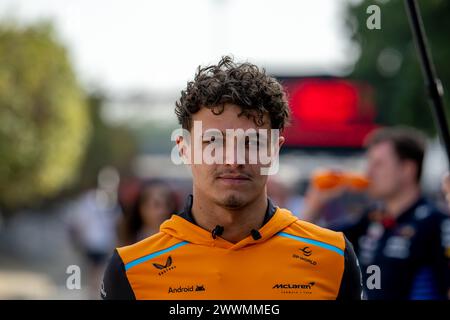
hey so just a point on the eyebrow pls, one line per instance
(224, 134)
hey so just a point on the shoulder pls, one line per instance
(116, 284)
(310, 231)
(429, 216)
(344, 263)
(152, 244)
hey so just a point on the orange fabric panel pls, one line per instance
(273, 267)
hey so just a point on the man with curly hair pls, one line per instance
(231, 241)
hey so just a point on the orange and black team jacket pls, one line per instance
(285, 259)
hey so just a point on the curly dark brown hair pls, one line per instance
(242, 84)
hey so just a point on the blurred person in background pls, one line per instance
(284, 195)
(154, 202)
(91, 222)
(403, 233)
(278, 191)
(446, 187)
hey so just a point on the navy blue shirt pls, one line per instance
(412, 252)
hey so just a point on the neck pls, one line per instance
(401, 201)
(237, 222)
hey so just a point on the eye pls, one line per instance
(212, 139)
(208, 140)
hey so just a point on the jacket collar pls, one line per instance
(183, 227)
(187, 211)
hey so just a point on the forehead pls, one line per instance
(153, 190)
(228, 119)
(382, 149)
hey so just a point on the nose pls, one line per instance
(234, 155)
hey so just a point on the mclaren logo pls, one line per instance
(294, 286)
(164, 267)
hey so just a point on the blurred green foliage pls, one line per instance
(389, 60)
(44, 117)
(110, 145)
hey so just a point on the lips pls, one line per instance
(233, 182)
(233, 177)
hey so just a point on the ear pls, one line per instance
(410, 168)
(280, 141)
(179, 142)
(182, 149)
